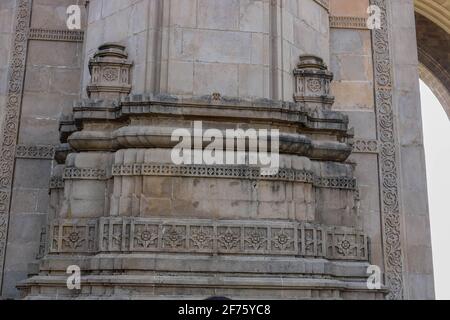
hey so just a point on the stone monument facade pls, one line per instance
(87, 173)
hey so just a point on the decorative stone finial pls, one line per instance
(110, 73)
(313, 83)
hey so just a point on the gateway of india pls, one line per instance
(88, 187)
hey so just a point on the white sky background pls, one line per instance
(437, 149)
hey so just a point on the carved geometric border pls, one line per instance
(11, 119)
(227, 172)
(348, 22)
(56, 35)
(56, 183)
(389, 184)
(230, 172)
(73, 173)
(365, 146)
(35, 152)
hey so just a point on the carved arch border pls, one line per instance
(428, 75)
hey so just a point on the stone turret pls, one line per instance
(110, 73)
(313, 81)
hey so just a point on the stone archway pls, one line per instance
(433, 43)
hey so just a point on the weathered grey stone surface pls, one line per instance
(94, 184)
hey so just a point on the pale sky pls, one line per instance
(437, 149)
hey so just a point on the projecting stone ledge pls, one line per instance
(205, 107)
(177, 276)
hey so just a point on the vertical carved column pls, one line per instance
(12, 117)
(389, 184)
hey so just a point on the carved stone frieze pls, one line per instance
(206, 236)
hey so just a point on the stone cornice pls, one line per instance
(263, 111)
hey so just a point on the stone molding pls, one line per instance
(56, 35)
(161, 137)
(348, 22)
(388, 171)
(208, 237)
(12, 118)
(233, 172)
(324, 3)
(35, 152)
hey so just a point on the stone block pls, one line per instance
(353, 95)
(218, 14)
(349, 8)
(211, 77)
(184, 13)
(32, 174)
(252, 16)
